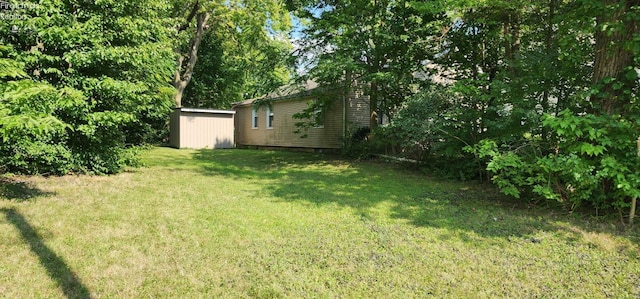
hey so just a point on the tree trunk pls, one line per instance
(550, 53)
(511, 33)
(612, 55)
(183, 73)
(632, 211)
(373, 106)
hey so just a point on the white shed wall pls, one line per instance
(197, 129)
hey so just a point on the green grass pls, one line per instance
(242, 223)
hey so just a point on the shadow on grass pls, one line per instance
(56, 267)
(366, 186)
(17, 190)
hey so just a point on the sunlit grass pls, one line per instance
(241, 223)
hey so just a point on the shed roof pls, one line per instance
(211, 111)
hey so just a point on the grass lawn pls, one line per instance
(243, 223)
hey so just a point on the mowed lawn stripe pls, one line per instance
(269, 224)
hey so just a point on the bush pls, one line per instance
(35, 157)
(592, 160)
(48, 131)
(429, 129)
(358, 144)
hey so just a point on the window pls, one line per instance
(254, 118)
(269, 117)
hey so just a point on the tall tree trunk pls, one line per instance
(551, 56)
(612, 55)
(184, 73)
(511, 33)
(373, 105)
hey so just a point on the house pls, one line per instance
(274, 125)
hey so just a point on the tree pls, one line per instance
(542, 95)
(88, 80)
(380, 43)
(229, 71)
(583, 151)
(244, 22)
(613, 71)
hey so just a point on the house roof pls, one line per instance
(285, 92)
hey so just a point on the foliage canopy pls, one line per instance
(81, 83)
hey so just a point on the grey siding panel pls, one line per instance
(358, 113)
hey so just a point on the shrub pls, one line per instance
(592, 160)
(430, 128)
(358, 144)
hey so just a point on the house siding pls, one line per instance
(348, 112)
(283, 132)
(357, 110)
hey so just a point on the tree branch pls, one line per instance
(181, 79)
(192, 14)
(193, 55)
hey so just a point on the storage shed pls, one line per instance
(201, 128)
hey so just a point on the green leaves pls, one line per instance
(381, 43)
(593, 162)
(244, 51)
(99, 75)
(11, 69)
(530, 99)
(34, 123)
